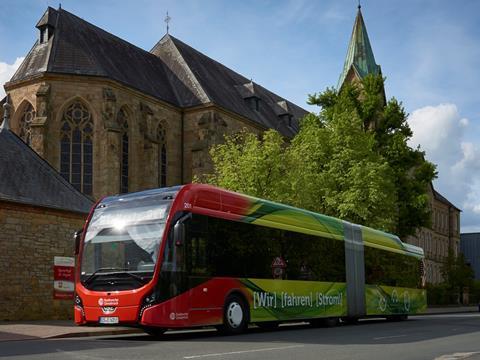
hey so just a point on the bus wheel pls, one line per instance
(154, 331)
(350, 320)
(397, 317)
(324, 322)
(235, 315)
(268, 325)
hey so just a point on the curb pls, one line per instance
(473, 311)
(96, 333)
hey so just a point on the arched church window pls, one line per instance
(122, 119)
(28, 115)
(162, 156)
(76, 147)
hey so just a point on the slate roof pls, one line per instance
(80, 48)
(172, 72)
(26, 178)
(210, 81)
(443, 199)
(360, 54)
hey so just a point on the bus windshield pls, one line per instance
(123, 238)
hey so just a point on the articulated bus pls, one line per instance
(196, 256)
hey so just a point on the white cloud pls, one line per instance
(440, 131)
(7, 71)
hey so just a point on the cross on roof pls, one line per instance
(167, 21)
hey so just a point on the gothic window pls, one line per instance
(25, 124)
(162, 156)
(122, 119)
(76, 147)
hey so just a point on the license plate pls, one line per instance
(108, 320)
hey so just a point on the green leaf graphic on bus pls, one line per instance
(285, 299)
(391, 300)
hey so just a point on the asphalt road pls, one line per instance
(445, 337)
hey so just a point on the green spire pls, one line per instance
(359, 55)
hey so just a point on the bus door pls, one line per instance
(173, 278)
(202, 293)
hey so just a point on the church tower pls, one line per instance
(360, 61)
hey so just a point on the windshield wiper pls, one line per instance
(113, 271)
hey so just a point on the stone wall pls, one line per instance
(104, 99)
(204, 128)
(436, 241)
(30, 237)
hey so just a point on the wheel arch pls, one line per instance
(243, 296)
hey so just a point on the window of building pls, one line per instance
(76, 147)
(253, 102)
(26, 119)
(122, 119)
(162, 156)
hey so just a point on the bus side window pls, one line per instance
(198, 255)
(197, 242)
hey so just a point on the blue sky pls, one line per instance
(428, 50)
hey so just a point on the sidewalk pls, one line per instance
(450, 309)
(28, 330)
(25, 330)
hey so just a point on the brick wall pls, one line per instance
(29, 239)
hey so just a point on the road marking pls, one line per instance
(388, 337)
(243, 352)
(74, 355)
(456, 356)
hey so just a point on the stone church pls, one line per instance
(445, 231)
(113, 118)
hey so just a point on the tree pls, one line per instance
(350, 161)
(457, 274)
(249, 164)
(330, 167)
(336, 170)
(387, 121)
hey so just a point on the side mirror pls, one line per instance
(77, 236)
(179, 230)
(179, 233)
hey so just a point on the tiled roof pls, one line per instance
(26, 178)
(172, 72)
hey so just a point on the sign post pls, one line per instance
(63, 277)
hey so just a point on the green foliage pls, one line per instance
(350, 161)
(250, 165)
(440, 294)
(343, 175)
(456, 273)
(387, 121)
(475, 292)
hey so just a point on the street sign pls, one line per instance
(63, 277)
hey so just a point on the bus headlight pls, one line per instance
(148, 301)
(79, 304)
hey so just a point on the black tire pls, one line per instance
(324, 322)
(268, 325)
(350, 320)
(154, 331)
(235, 315)
(397, 317)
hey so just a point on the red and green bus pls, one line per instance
(197, 255)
